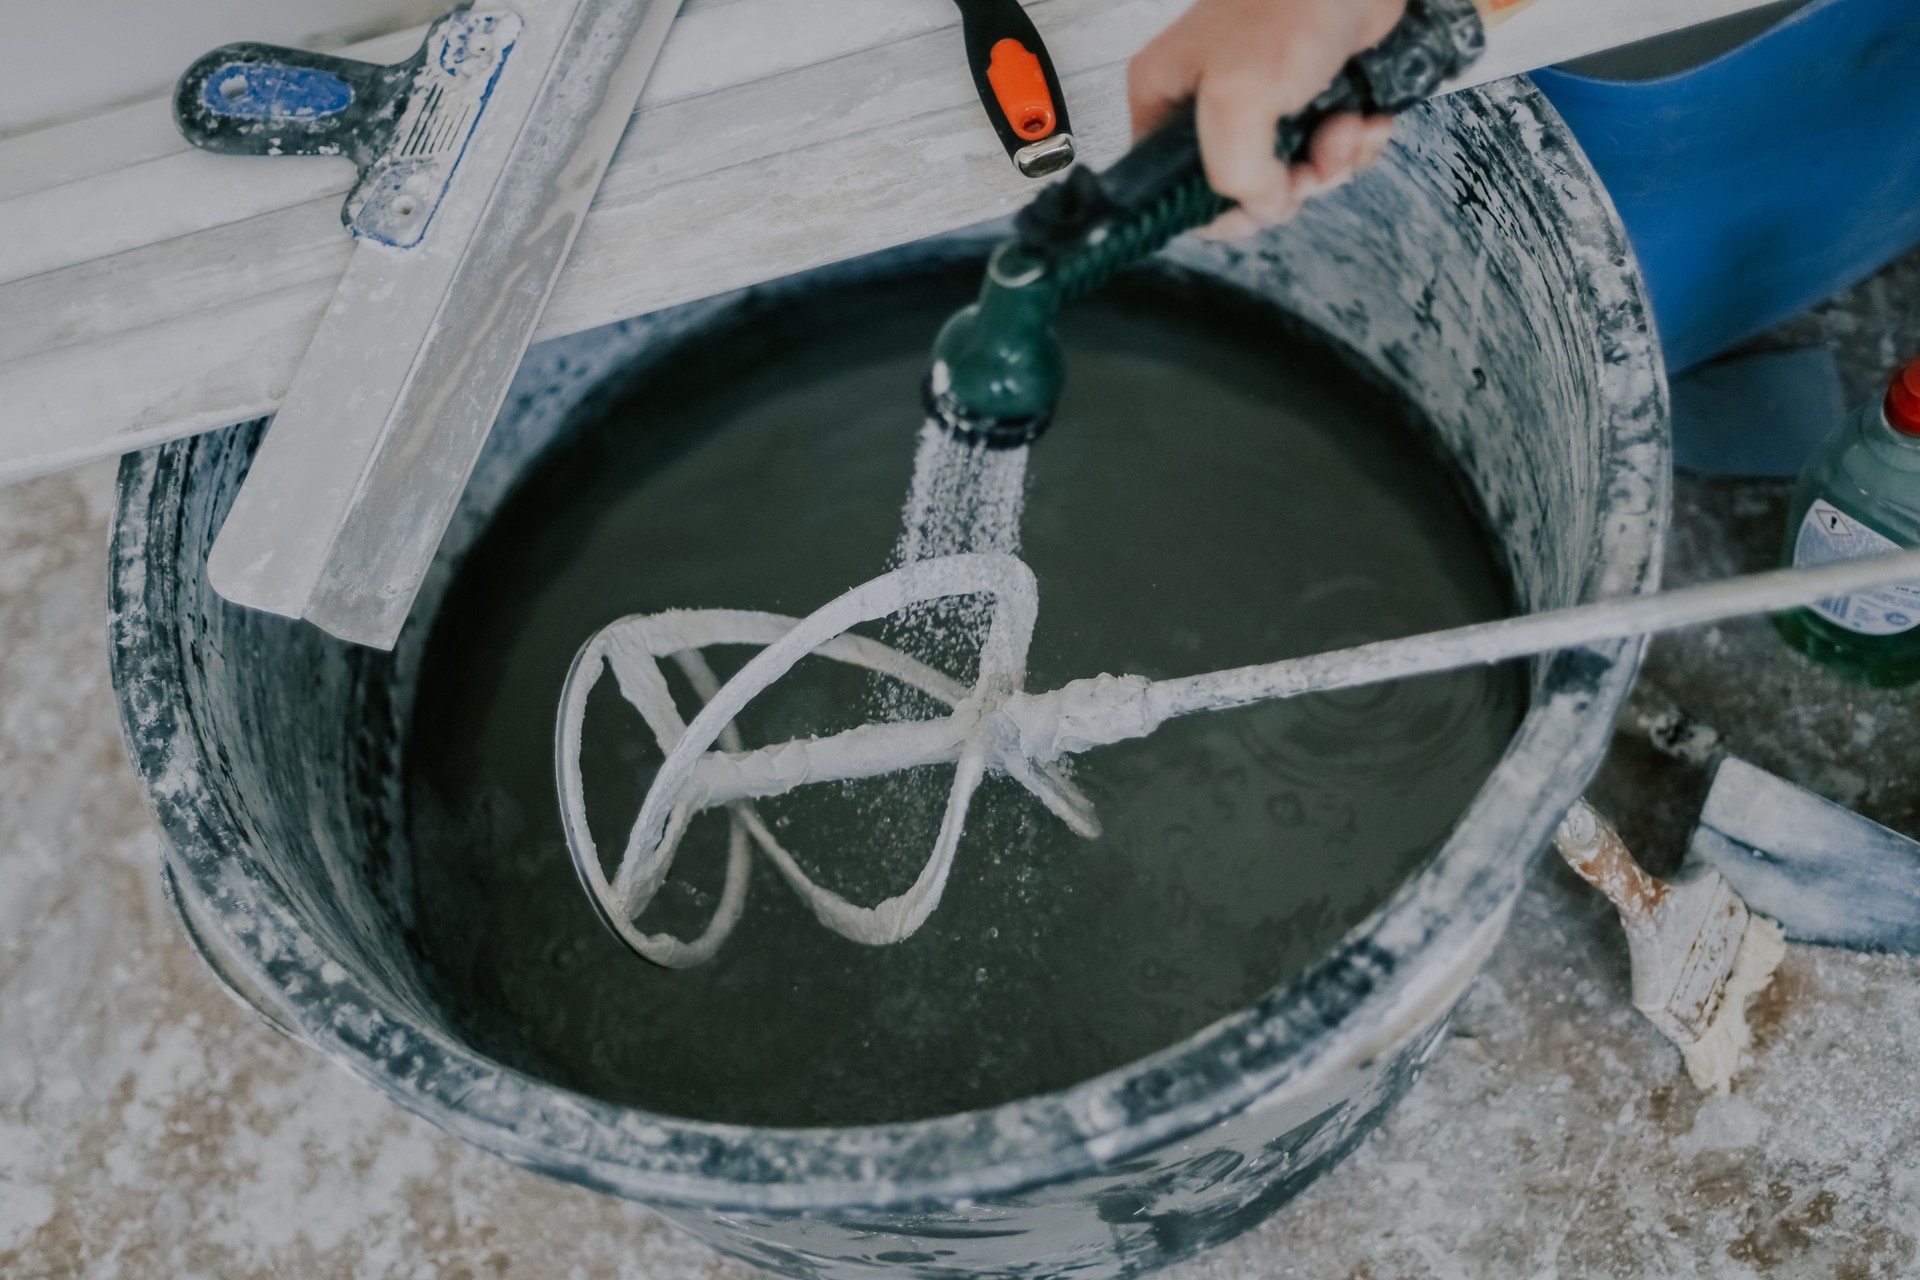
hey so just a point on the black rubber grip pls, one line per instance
(261, 99)
(1434, 41)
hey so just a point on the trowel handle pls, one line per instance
(1670, 729)
(1597, 854)
(261, 99)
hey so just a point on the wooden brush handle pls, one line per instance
(1600, 857)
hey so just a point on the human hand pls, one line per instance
(1245, 64)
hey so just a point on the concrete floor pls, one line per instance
(150, 1127)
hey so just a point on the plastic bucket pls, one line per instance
(1480, 270)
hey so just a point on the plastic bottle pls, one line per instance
(1860, 495)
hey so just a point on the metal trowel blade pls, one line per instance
(1824, 872)
(357, 480)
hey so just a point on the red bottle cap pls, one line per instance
(1903, 400)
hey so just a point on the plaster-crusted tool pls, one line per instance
(478, 157)
(994, 725)
(1697, 952)
(1826, 873)
(997, 367)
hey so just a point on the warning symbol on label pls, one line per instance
(1828, 534)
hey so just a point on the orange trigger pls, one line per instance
(1021, 87)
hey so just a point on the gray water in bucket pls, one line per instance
(1480, 272)
(1215, 490)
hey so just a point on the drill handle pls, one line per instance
(1434, 41)
(1018, 86)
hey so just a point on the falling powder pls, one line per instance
(963, 497)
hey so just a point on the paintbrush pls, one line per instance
(1698, 954)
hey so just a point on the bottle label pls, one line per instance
(1829, 534)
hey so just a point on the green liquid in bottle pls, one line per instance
(1860, 496)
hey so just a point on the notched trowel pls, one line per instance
(478, 157)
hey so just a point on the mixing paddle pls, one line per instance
(994, 725)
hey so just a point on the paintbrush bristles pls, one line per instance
(1712, 1059)
(1683, 953)
(1687, 939)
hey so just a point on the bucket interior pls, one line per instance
(1220, 488)
(1224, 486)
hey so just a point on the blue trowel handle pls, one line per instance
(261, 99)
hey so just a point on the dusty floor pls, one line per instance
(149, 1127)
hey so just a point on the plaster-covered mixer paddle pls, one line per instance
(995, 725)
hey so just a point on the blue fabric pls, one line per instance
(1759, 183)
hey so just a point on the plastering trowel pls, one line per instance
(1824, 872)
(1768, 861)
(478, 158)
